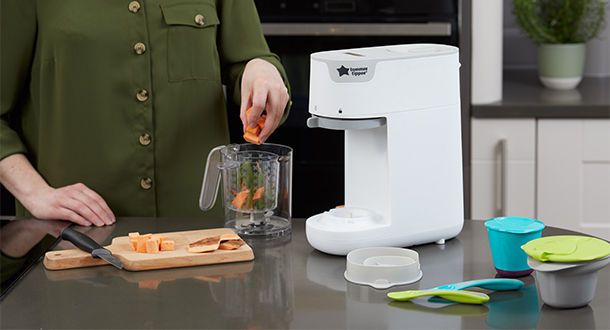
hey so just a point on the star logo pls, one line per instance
(343, 71)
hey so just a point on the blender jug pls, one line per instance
(256, 187)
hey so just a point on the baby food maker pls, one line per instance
(400, 109)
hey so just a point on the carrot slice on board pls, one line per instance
(205, 245)
(231, 245)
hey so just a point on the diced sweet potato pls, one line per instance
(240, 198)
(134, 244)
(133, 235)
(258, 194)
(252, 138)
(168, 245)
(141, 244)
(152, 246)
(251, 133)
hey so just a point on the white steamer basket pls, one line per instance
(383, 267)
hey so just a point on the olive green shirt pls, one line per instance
(124, 96)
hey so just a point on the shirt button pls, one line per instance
(199, 20)
(134, 7)
(145, 139)
(139, 48)
(142, 95)
(146, 183)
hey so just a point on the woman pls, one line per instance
(110, 107)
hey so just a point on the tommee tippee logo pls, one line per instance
(360, 71)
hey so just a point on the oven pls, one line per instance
(295, 29)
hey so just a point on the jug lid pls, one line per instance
(567, 248)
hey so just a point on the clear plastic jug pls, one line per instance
(256, 187)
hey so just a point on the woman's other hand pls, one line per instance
(262, 88)
(76, 203)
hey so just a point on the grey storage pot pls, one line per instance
(567, 285)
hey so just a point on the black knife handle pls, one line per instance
(79, 239)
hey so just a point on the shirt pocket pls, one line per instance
(191, 40)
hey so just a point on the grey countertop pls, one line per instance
(288, 285)
(523, 96)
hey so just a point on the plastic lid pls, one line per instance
(516, 225)
(567, 248)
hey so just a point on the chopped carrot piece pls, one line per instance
(152, 246)
(258, 194)
(168, 245)
(241, 198)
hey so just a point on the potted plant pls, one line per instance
(560, 28)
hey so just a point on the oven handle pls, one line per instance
(358, 29)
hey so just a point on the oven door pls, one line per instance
(318, 173)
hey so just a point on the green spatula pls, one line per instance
(461, 296)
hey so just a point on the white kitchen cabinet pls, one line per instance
(573, 174)
(555, 170)
(503, 167)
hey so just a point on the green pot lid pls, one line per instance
(567, 248)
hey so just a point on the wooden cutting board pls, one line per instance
(134, 261)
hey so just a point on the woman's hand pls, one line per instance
(262, 88)
(76, 203)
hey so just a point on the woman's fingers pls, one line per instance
(259, 100)
(96, 210)
(275, 111)
(80, 208)
(72, 216)
(98, 204)
(246, 102)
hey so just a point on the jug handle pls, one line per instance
(211, 180)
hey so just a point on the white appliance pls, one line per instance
(400, 109)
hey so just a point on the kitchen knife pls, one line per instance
(85, 243)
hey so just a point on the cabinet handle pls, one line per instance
(500, 196)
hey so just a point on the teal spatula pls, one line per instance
(461, 296)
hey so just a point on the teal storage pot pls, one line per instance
(506, 236)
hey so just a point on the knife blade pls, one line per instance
(86, 244)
